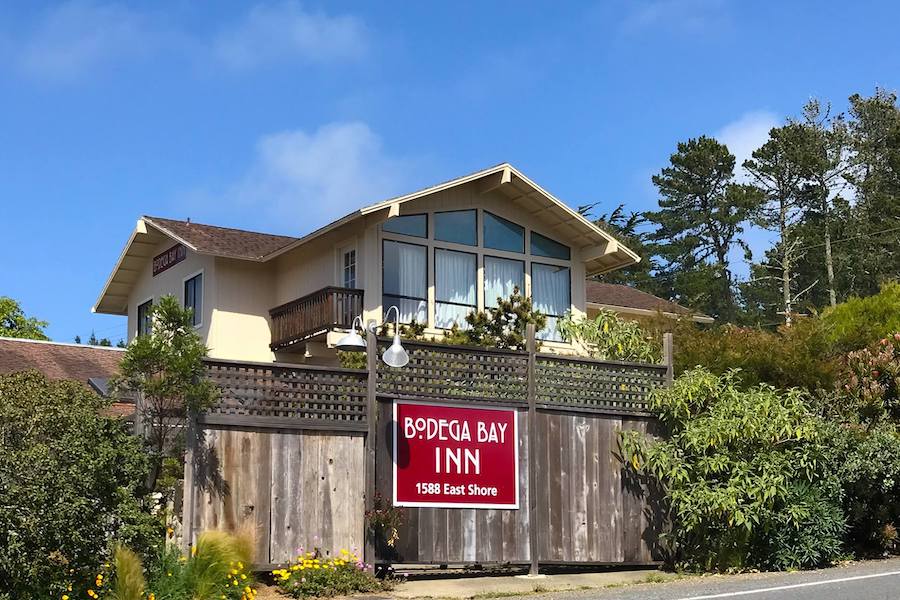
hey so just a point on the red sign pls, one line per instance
(455, 457)
(169, 258)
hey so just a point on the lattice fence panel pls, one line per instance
(451, 372)
(597, 385)
(288, 393)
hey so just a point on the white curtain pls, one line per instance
(406, 277)
(501, 277)
(550, 289)
(454, 281)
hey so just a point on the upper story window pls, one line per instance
(551, 291)
(405, 280)
(348, 268)
(454, 287)
(414, 225)
(193, 298)
(501, 277)
(501, 234)
(544, 246)
(457, 226)
(144, 323)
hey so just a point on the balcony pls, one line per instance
(314, 315)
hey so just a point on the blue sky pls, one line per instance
(282, 116)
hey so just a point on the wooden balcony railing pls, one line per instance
(314, 314)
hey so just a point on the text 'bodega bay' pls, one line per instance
(455, 460)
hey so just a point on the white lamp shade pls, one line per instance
(352, 342)
(395, 356)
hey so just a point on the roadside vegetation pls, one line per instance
(780, 449)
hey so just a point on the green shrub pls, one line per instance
(312, 575)
(743, 472)
(859, 322)
(609, 337)
(867, 462)
(870, 387)
(797, 356)
(70, 483)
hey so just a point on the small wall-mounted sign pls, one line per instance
(169, 258)
(455, 457)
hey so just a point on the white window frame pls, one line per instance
(340, 251)
(202, 295)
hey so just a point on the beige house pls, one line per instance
(436, 254)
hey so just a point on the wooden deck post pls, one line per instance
(534, 527)
(668, 351)
(372, 427)
(187, 504)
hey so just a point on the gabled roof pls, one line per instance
(599, 251)
(624, 298)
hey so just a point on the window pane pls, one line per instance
(501, 277)
(501, 234)
(416, 225)
(143, 318)
(349, 269)
(544, 246)
(454, 287)
(404, 280)
(193, 297)
(457, 226)
(551, 292)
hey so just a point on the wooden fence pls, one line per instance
(292, 451)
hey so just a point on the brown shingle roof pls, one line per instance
(222, 241)
(64, 361)
(625, 296)
(59, 361)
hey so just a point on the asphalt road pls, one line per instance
(871, 580)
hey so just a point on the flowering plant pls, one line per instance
(313, 574)
(385, 519)
(872, 380)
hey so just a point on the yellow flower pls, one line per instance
(240, 565)
(151, 596)
(243, 576)
(65, 597)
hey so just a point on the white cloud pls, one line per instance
(80, 37)
(287, 32)
(683, 16)
(307, 179)
(76, 37)
(746, 134)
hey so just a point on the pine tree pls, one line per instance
(701, 219)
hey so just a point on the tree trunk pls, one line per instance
(829, 263)
(786, 253)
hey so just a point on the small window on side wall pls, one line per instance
(414, 225)
(456, 226)
(544, 246)
(501, 234)
(144, 323)
(193, 298)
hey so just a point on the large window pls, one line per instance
(457, 226)
(414, 225)
(144, 323)
(501, 234)
(544, 246)
(501, 277)
(551, 293)
(405, 276)
(454, 287)
(193, 298)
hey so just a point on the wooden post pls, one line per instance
(668, 351)
(533, 519)
(371, 433)
(187, 504)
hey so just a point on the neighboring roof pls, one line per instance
(59, 361)
(221, 241)
(624, 298)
